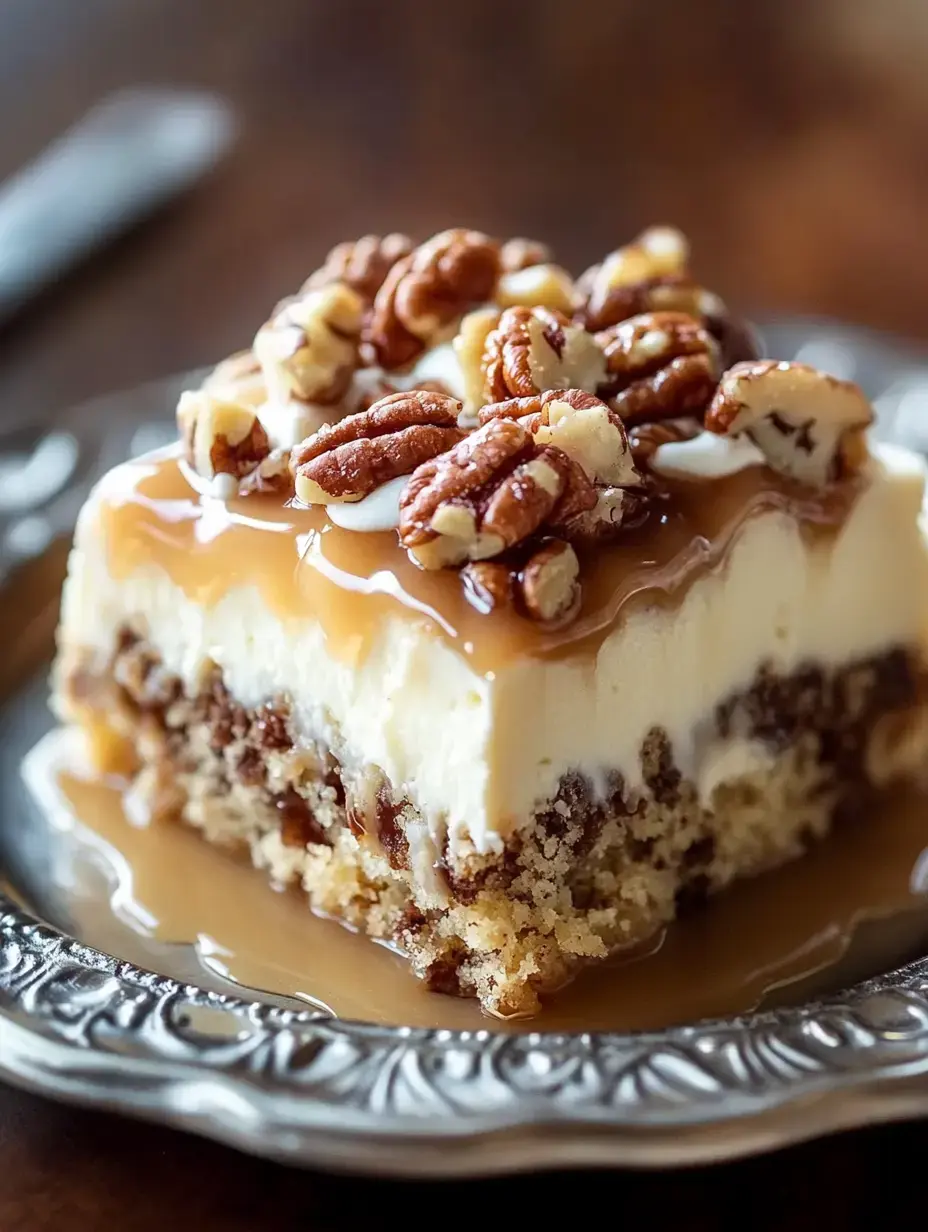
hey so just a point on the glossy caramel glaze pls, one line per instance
(304, 565)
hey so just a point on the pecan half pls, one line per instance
(346, 461)
(535, 349)
(808, 425)
(579, 424)
(220, 438)
(428, 291)
(519, 253)
(659, 365)
(488, 493)
(309, 349)
(361, 264)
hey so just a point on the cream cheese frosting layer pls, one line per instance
(476, 753)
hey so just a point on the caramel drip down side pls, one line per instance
(852, 906)
(305, 566)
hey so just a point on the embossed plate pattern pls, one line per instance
(83, 1026)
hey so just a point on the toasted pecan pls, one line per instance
(428, 291)
(220, 437)
(348, 460)
(488, 493)
(659, 365)
(535, 349)
(361, 264)
(309, 348)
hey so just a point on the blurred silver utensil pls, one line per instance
(130, 154)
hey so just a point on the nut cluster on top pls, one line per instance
(534, 458)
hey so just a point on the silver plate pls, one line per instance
(84, 1026)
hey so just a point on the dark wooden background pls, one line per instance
(789, 137)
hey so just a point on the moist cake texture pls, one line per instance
(507, 614)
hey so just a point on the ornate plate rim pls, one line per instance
(83, 1026)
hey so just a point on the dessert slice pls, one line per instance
(503, 614)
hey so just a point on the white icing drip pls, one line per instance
(223, 487)
(707, 455)
(379, 511)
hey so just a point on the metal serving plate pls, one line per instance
(81, 1025)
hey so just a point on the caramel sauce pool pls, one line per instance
(304, 565)
(160, 896)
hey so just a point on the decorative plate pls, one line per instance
(81, 1025)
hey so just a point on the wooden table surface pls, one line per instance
(788, 139)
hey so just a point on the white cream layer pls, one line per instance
(478, 755)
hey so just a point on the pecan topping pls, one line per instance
(238, 379)
(659, 252)
(348, 460)
(309, 349)
(545, 586)
(580, 425)
(488, 584)
(519, 253)
(469, 345)
(651, 275)
(430, 290)
(808, 426)
(535, 349)
(272, 474)
(361, 264)
(537, 286)
(488, 493)
(659, 365)
(549, 586)
(220, 438)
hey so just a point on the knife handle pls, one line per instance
(130, 154)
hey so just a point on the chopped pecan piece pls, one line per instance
(220, 438)
(348, 460)
(309, 349)
(537, 286)
(545, 586)
(430, 290)
(808, 425)
(488, 584)
(658, 252)
(659, 365)
(469, 345)
(272, 474)
(651, 275)
(549, 585)
(519, 253)
(613, 510)
(488, 493)
(535, 349)
(579, 424)
(361, 264)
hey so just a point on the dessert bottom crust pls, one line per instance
(589, 874)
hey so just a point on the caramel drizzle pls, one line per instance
(305, 566)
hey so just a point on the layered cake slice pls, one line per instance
(505, 614)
